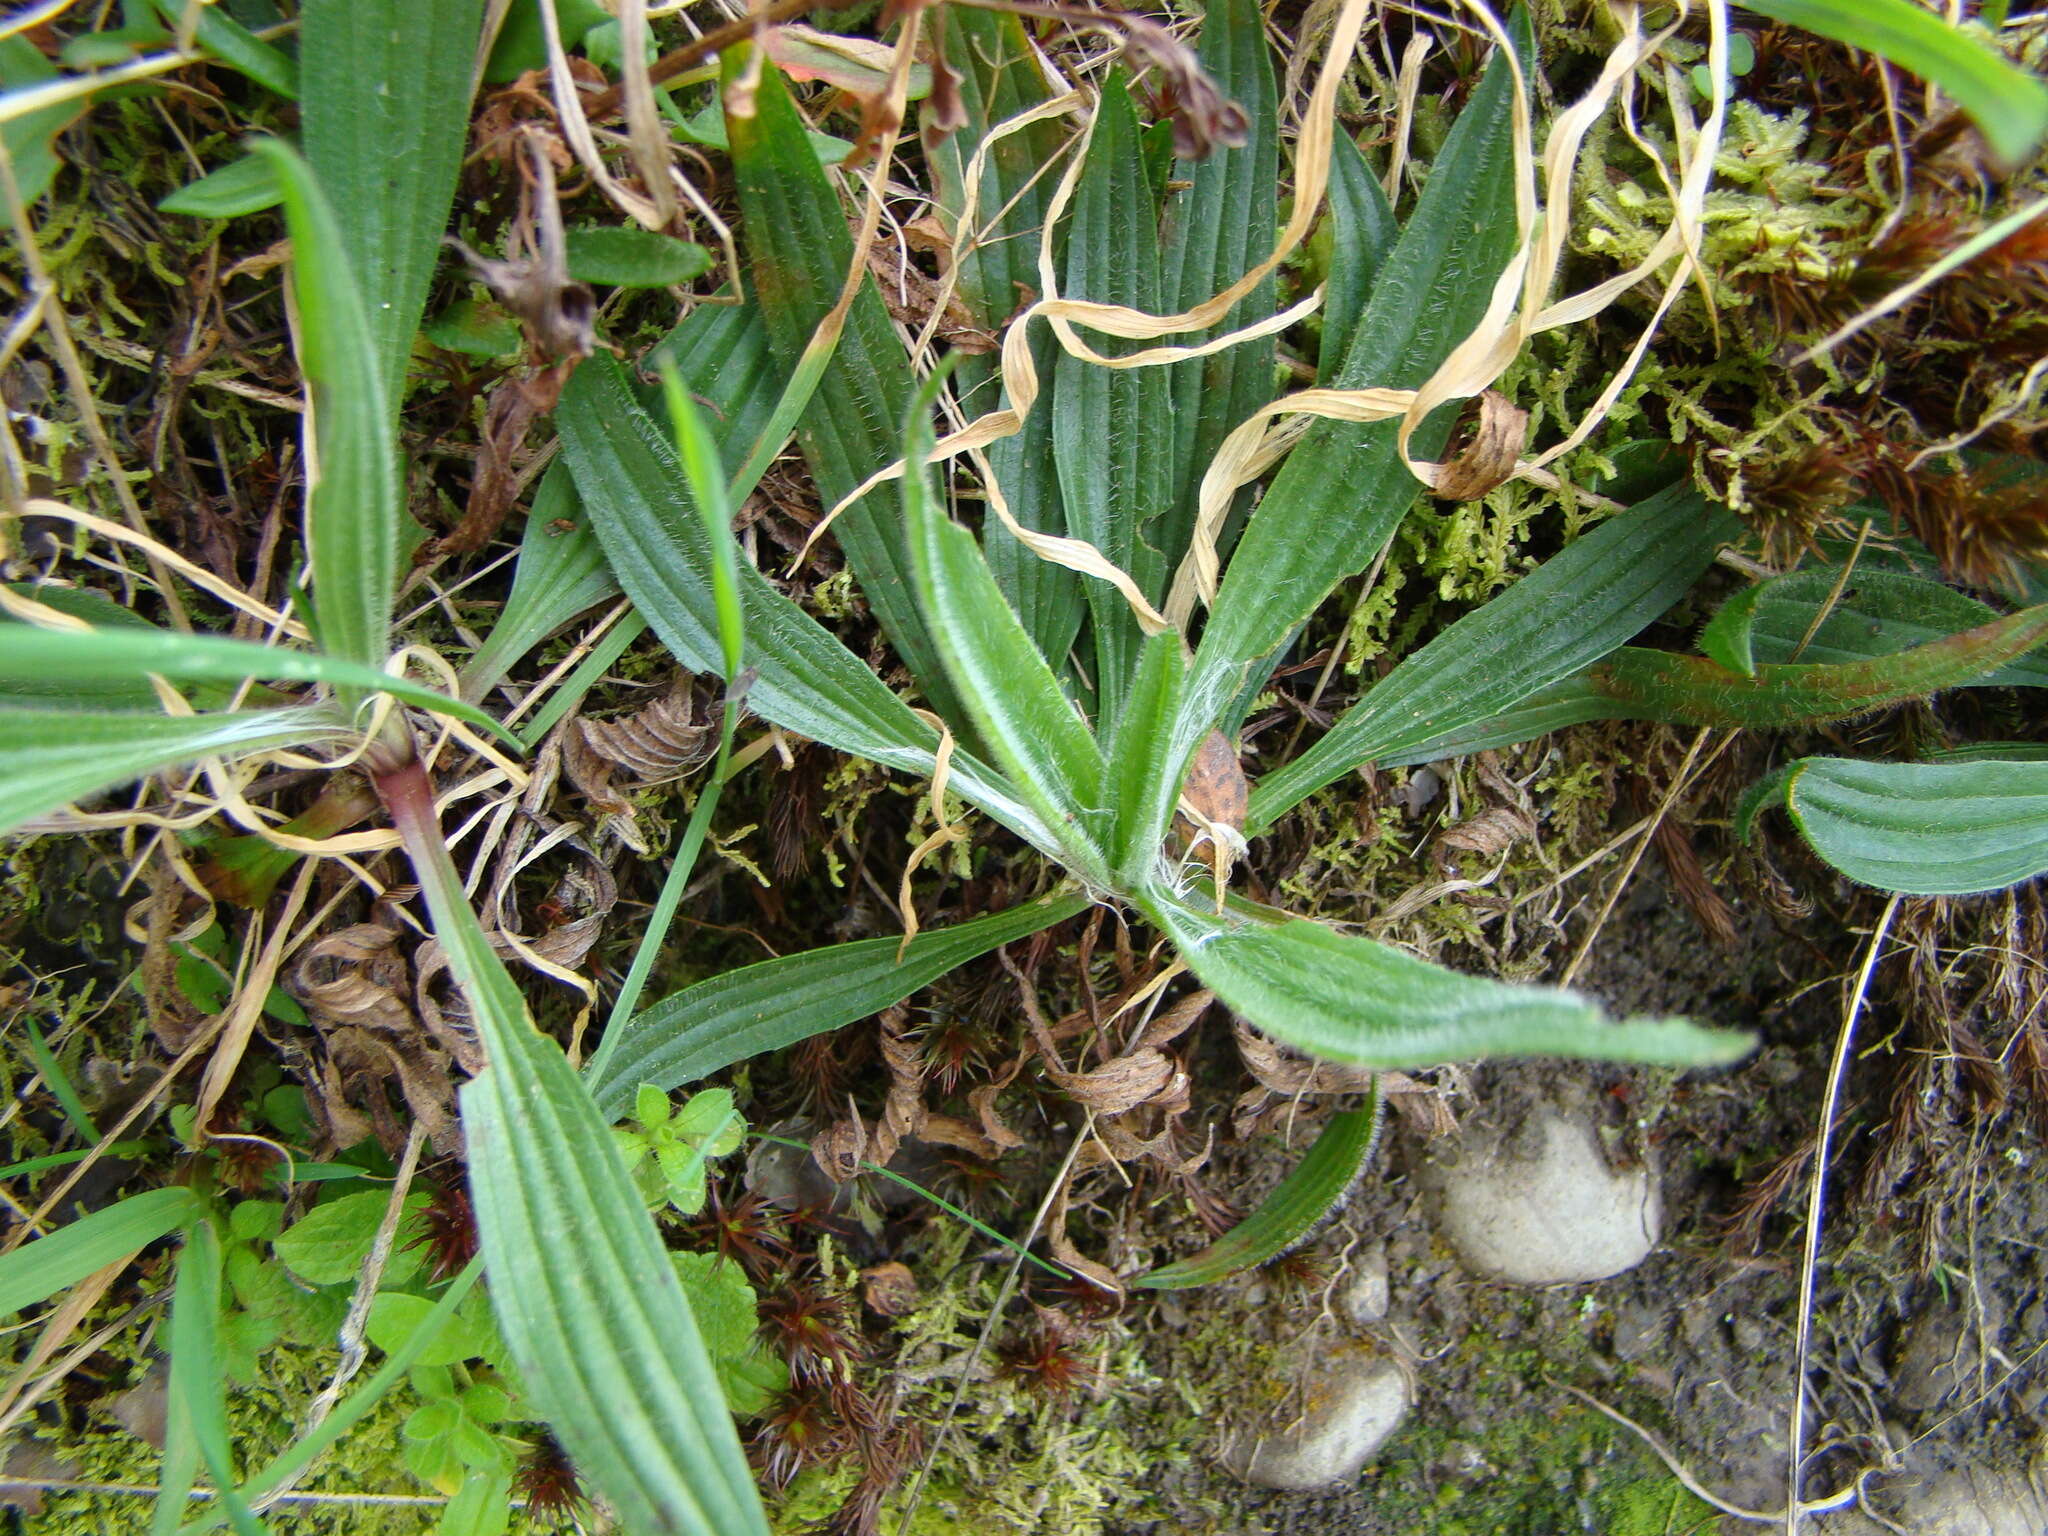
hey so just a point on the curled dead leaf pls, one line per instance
(889, 1290)
(664, 740)
(669, 737)
(355, 977)
(1490, 833)
(840, 1149)
(1490, 457)
(365, 1062)
(1122, 1085)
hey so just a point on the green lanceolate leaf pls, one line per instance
(1573, 609)
(582, 1286)
(1344, 490)
(59, 655)
(385, 105)
(1693, 690)
(800, 249)
(560, 573)
(1000, 77)
(247, 185)
(1140, 757)
(197, 1424)
(1802, 618)
(1112, 429)
(624, 257)
(739, 1014)
(633, 490)
(1634, 684)
(2009, 105)
(1294, 1208)
(1352, 1000)
(1574, 701)
(353, 510)
(722, 349)
(238, 48)
(43, 1266)
(1006, 687)
(1362, 232)
(51, 757)
(1215, 229)
(1925, 829)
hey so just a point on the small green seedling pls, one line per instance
(666, 1147)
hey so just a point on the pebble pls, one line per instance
(1366, 1292)
(1544, 1208)
(1356, 1401)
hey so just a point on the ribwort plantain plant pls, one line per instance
(1091, 652)
(1069, 708)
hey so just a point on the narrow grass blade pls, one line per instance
(1352, 1000)
(43, 1266)
(1924, 829)
(632, 487)
(583, 1289)
(723, 351)
(1344, 490)
(1024, 1255)
(1000, 77)
(197, 1424)
(727, 1019)
(2008, 105)
(49, 758)
(706, 477)
(58, 1081)
(800, 250)
(1008, 690)
(1140, 757)
(62, 655)
(1215, 229)
(1362, 231)
(1582, 603)
(1296, 1206)
(284, 1468)
(353, 511)
(1801, 617)
(1113, 429)
(384, 90)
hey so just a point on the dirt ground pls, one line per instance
(1913, 1375)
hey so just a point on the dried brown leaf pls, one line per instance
(1489, 458)
(1690, 880)
(1216, 783)
(367, 1061)
(890, 1289)
(840, 1149)
(356, 977)
(1490, 833)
